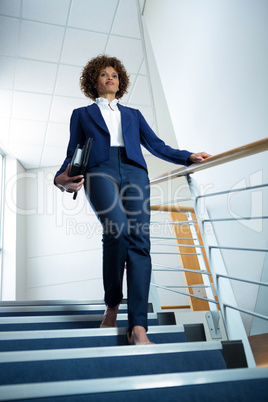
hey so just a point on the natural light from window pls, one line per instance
(1, 214)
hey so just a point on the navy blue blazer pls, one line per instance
(88, 122)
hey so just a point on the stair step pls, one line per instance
(245, 385)
(52, 351)
(61, 303)
(12, 303)
(69, 309)
(78, 338)
(63, 322)
(115, 351)
(93, 363)
(54, 310)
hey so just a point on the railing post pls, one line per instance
(232, 320)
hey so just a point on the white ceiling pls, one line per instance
(44, 45)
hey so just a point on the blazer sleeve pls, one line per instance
(158, 148)
(77, 136)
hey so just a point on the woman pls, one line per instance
(117, 186)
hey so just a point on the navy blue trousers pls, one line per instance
(119, 192)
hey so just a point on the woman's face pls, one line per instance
(107, 82)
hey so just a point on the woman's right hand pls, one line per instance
(69, 183)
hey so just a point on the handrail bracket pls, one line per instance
(213, 320)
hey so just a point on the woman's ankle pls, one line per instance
(109, 317)
(138, 335)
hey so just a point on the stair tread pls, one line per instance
(85, 332)
(106, 351)
(138, 385)
(51, 302)
(81, 338)
(58, 348)
(63, 318)
(62, 325)
(110, 366)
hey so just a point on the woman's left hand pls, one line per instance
(199, 157)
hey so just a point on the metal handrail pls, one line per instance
(236, 190)
(242, 280)
(172, 238)
(241, 218)
(178, 245)
(231, 155)
(168, 267)
(262, 250)
(185, 294)
(241, 310)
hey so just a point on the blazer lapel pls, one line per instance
(125, 121)
(95, 113)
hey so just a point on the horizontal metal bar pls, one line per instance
(177, 245)
(173, 238)
(242, 218)
(186, 287)
(232, 191)
(264, 317)
(158, 252)
(183, 269)
(185, 294)
(242, 280)
(178, 200)
(262, 250)
(174, 222)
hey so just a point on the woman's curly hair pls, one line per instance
(91, 72)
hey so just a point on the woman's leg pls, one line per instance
(122, 204)
(103, 194)
(136, 200)
(138, 258)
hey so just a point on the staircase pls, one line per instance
(55, 351)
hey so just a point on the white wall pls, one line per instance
(64, 251)
(212, 60)
(14, 243)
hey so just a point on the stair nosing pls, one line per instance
(107, 351)
(73, 333)
(131, 383)
(62, 318)
(13, 303)
(66, 307)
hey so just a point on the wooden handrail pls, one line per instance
(215, 160)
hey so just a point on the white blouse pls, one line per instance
(112, 118)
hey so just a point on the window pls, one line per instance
(2, 159)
